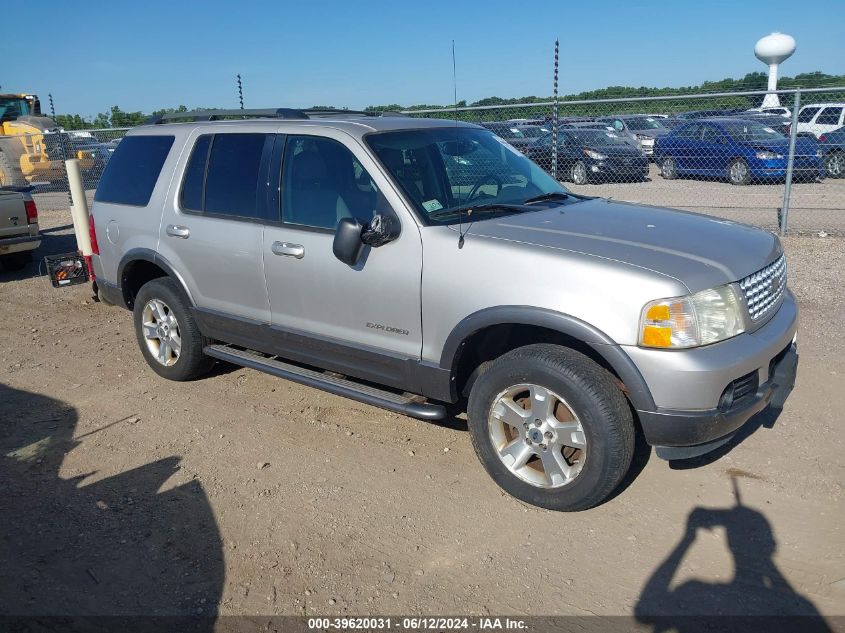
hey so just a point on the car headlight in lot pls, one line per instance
(766, 155)
(705, 317)
(594, 155)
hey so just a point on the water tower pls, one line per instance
(772, 50)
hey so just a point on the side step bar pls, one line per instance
(328, 382)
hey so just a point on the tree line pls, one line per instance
(116, 117)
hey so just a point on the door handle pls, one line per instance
(174, 230)
(288, 250)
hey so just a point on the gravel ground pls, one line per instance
(121, 493)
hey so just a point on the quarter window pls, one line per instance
(806, 114)
(194, 183)
(131, 174)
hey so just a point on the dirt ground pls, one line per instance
(121, 493)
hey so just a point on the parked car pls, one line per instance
(641, 128)
(512, 133)
(704, 114)
(832, 146)
(591, 155)
(779, 111)
(773, 121)
(817, 118)
(335, 251)
(18, 227)
(739, 150)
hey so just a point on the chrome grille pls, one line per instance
(764, 289)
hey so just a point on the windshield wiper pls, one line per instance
(486, 207)
(554, 195)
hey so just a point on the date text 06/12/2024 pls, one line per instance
(416, 623)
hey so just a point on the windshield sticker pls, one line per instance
(770, 130)
(432, 205)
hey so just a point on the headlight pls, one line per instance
(706, 317)
(766, 155)
(594, 155)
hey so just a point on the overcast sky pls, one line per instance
(92, 55)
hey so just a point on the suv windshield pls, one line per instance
(459, 168)
(747, 131)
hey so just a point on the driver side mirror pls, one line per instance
(351, 236)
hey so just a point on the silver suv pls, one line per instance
(413, 264)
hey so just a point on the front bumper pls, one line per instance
(636, 170)
(688, 385)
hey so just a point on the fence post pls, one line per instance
(790, 161)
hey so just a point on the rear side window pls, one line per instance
(829, 116)
(222, 176)
(131, 173)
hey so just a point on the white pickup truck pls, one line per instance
(18, 227)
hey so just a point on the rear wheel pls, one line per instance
(578, 173)
(668, 168)
(551, 427)
(167, 333)
(738, 172)
(834, 163)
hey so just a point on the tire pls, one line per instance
(668, 168)
(738, 172)
(834, 164)
(161, 311)
(588, 411)
(16, 261)
(578, 173)
(10, 174)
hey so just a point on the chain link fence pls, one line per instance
(780, 167)
(777, 167)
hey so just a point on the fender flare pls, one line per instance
(598, 341)
(149, 255)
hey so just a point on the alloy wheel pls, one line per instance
(161, 332)
(537, 436)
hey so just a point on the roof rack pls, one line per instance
(266, 113)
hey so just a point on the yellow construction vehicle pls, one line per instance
(32, 146)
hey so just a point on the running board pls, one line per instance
(332, 383)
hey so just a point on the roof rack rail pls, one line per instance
(266, 113)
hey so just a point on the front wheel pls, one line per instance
(668, 168)
(167, 332)
(834, 164)
(578, 173)
(738, 172)
(551, 427)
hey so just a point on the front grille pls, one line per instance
(764, 289)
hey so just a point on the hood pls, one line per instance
(700, 251)
(616, 150)
(803, 146)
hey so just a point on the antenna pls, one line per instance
(455, 86)
(240, 91)
(554, 115)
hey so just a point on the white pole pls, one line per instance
(79, 208)
(771, 100)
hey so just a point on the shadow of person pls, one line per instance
(116, 547)
(757, 598)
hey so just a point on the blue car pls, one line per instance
(738, 150)
(832, 145)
